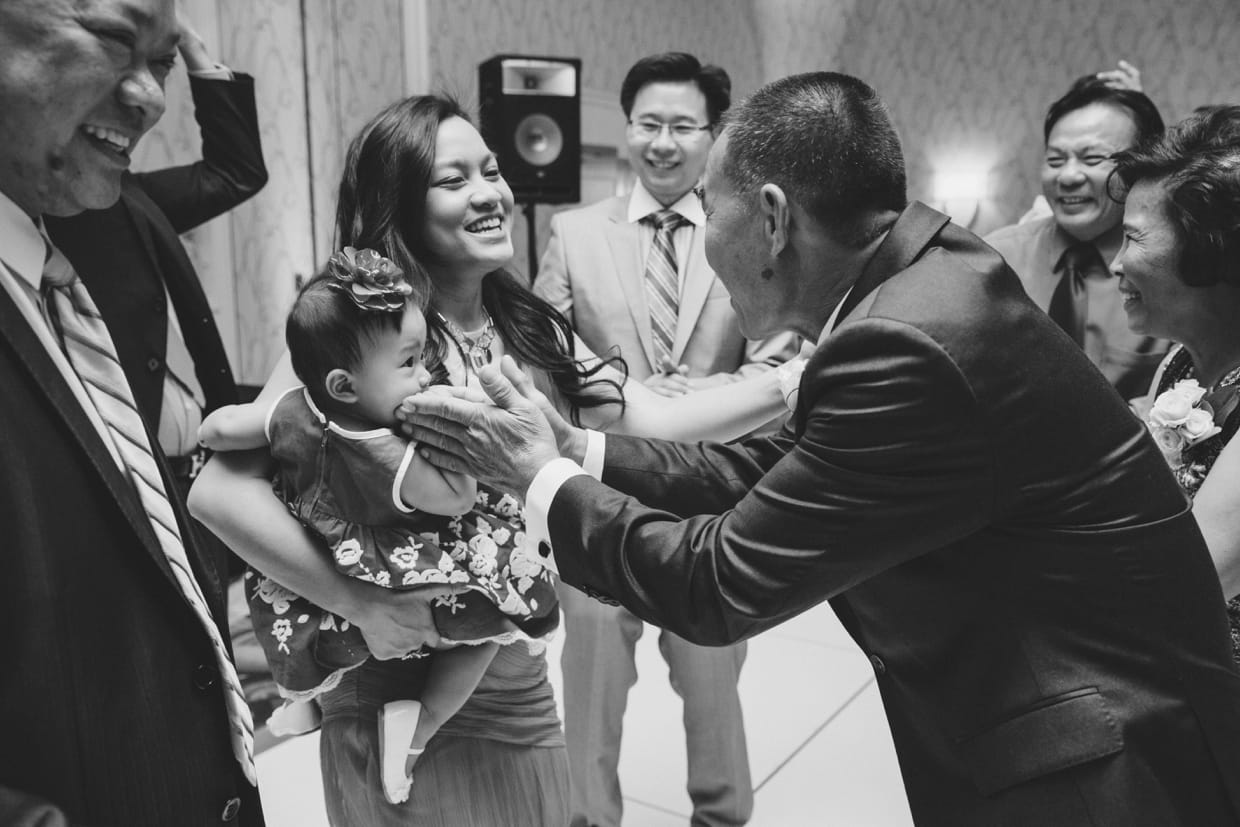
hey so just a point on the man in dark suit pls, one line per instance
(115, 697)
(130, 256)
(995, 530)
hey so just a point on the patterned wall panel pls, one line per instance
(800, 35)
(272, 237)
(175, 140)
(354, 68)
(968, 81)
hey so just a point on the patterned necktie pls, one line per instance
(662, 283)
(90, 351)
(1069, 306)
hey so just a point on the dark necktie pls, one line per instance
(1069, 306)
(89, 349)
(662, 282)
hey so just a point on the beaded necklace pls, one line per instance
(474, 348)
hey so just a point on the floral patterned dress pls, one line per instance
(1196, 460)
(344, 485)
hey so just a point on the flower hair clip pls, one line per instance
(370, 280)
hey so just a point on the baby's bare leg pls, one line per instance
(452, 677)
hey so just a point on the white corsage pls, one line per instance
(789, 376)
(1179, 419)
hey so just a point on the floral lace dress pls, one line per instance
(344, 485)
(1197, 460)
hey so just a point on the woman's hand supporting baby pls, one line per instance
(232, 496)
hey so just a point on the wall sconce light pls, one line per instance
(958, 191)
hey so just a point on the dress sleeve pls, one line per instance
(377, 465)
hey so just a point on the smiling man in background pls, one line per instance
(630, 272)
(1063, 260)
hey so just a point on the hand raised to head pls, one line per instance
(1124, 76)
(503, 443)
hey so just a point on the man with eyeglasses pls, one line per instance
(630, 272)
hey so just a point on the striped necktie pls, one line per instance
(662, 283)
(90, 351)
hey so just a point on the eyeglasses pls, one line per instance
(679, 131)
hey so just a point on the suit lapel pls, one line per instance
(623, 237)
(697, 279)
(913, 231)
(132, 202)
(189, 300)
(16, 332)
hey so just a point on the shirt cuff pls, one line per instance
(218, 72)
(596, 451)
(538, 499)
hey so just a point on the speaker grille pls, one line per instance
(539, 140)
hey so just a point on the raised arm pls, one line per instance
(1217, 509)
(232, 168)
(720, 413)
(759, 357)
(233, 497)
(846, 503)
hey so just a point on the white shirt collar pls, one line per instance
(642, 204)
(21, 243)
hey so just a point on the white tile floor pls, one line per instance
(819, 747)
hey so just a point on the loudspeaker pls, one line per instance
(530, 116)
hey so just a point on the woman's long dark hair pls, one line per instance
(382, 205)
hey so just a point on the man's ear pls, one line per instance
(776, 217)
(339, 385)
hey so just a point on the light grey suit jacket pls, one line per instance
(593, 273)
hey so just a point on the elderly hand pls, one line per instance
(397, 622)
(504, 444)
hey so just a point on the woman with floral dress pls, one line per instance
(421, 187)
(1179, 271)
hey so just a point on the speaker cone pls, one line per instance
(539, 140)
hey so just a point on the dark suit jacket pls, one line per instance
(127, 253)
(996, 531)
(111, 707)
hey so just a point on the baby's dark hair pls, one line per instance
(327, 330)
